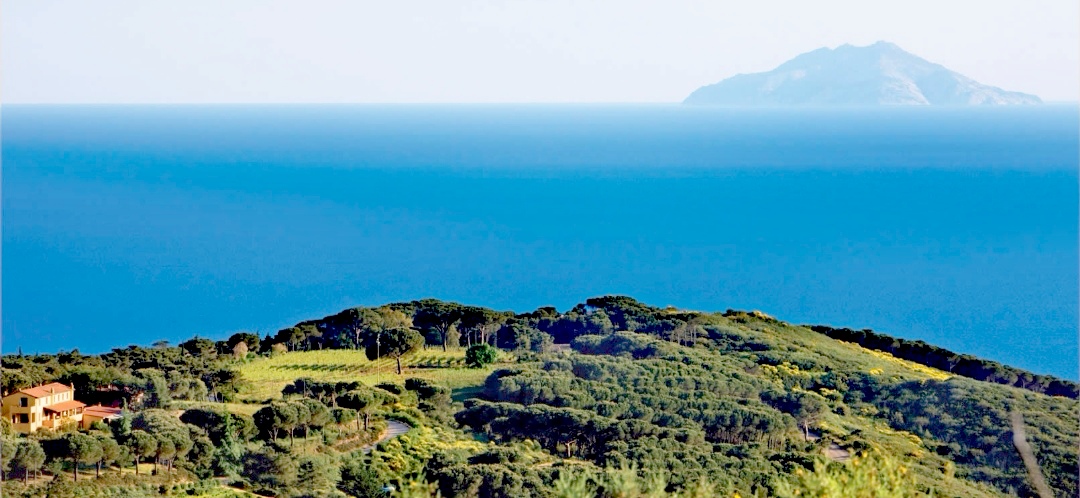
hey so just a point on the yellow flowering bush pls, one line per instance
(869, 475)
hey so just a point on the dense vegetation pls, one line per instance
(610, 398)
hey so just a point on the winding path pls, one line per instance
(393, 430)
(834, 452)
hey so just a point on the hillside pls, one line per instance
(610, 398)
(879, 74)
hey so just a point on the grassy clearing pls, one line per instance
(930, 372)
(267, 376)
(842, 355)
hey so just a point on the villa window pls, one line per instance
(24, 418)
(23, 402)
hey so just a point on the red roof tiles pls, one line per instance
(64, 406)
(46, 390)
(102, 411)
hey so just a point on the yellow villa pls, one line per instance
(50, 406)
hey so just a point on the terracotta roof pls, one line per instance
(67, 405)
(102, 411)
(42, 391)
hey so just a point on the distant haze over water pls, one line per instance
(130, 224)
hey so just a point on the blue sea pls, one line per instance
(129, 224)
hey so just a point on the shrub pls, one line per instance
(390, 387)
(480, 355)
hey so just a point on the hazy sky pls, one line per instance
(492, 51)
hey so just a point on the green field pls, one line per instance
(267, 376)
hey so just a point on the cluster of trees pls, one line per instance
(151, 435)
(354, 328)
(439, 323)
(500, 473)
(30, 456)
(231, 434)
(311, 405)
(634, 399)
(347, 400)
(959, 364)
(608, 314)
(288, 416)
(448, 324)
(135, 376)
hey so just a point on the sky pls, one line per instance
(544, 51)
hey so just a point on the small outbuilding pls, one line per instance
(99, 413)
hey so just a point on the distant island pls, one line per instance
(879, 74)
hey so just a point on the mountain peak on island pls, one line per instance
(878, 74)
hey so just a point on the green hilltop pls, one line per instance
(611, 398)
